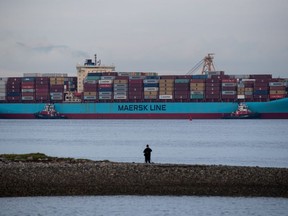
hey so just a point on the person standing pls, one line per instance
(147, 153)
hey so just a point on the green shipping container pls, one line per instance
(182, 80)
(197, 96)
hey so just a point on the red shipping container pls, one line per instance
(229, 96)
(28, 94)
(212, 93)
(39, 79)
(277, 96)
(105, 85)
(213, 85)
(262, 84)
(229, 80)
(260, 96)
(122, 78)
(39, 83)
(181, 88)
(42, 91)
(16, 98)
(197, 81)
(277, 88)
(229, 88)
(261, 88)
(212, 96)
(168, 77)
(135, 81)
(261, 76)
(212, 80)
(207, 88)
(182, 97)
(14, 79)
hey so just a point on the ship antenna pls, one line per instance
(95, 59)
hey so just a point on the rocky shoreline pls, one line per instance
(84, 177)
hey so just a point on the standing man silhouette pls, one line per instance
(147, 153)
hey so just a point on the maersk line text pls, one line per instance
(155, 107)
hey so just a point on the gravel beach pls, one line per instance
(82, 177)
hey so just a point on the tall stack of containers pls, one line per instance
(70, 84)
(151, 87)
(261, 86)
(121, 87)
(197, 87)
(13, 89)
(90, 93)
(277, 89)
(213, 89)
(3, 82)
(248, 89)
(182, 88)
(229, 90)
(57, 89)
(166, 87)
(106, 87)
(28, 89)
(135, 88)
(42, 90)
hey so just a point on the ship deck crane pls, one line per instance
(206, 65)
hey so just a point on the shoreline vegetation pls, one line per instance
(37, 174)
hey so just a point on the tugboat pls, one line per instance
(242, 112)
(49, 112)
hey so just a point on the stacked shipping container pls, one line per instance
(42, 90)
(56, 89)
(13, 89)
(3, 83)
(121, 87)
(151, 88)
(166, 88)
(137, 87)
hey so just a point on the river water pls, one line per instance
(261, 143)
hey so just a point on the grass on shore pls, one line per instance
(33, 157)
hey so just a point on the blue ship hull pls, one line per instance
(154, 110)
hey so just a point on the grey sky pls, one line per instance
(165, 36)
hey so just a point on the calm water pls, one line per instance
(228, 142)
(143, 205)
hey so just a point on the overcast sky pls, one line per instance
(164, 36)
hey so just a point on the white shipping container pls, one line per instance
(105, 93)
(123, 74)
(90, 97)
(105, 81)
(120, 89)
(2, 94)
(120, 85)
(56, 94)
(120, 97)
(229, 84)
(27, 98)
(165, 97)
(228, 92)
(28, 90)
(197, 92)
(151, 81)
(240, 96)
(2, 98)
(151, 88)
(276, 84)
(105, 97)
(107, 77)
(120, 93)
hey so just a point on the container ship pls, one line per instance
(98, 92)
